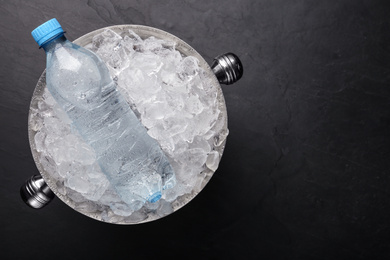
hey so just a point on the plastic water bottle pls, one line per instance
(80, 82)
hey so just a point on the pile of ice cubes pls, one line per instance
(174, 100)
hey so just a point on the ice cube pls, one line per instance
(39, 140)
(109, 196)
(124, 209)
(106, 39)
(148, 63)
(86, 206)
(64, 169)
(174, 125)
(220, 137)
(108, 45)
(36, 121)
(78, 183)
(194, 158)
(188, 69)
(193, 105)
(75, 196)
(201, 143)
(212, 161)
(152, 44)
(136, 217)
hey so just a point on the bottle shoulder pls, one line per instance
(76, 74)
(72, 58)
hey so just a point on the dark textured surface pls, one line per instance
(305, 174)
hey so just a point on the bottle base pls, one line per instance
(155, 197)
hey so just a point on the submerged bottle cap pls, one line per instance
(47, 31)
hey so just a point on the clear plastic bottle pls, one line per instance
(80, 82)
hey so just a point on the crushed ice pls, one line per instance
(171, 96)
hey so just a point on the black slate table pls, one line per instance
(305, 173)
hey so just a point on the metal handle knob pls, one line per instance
(227, 68)
(35, 192)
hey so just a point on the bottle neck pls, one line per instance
(51, 43)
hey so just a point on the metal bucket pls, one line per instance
(37, 192)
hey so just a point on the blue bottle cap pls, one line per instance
(48, 30)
